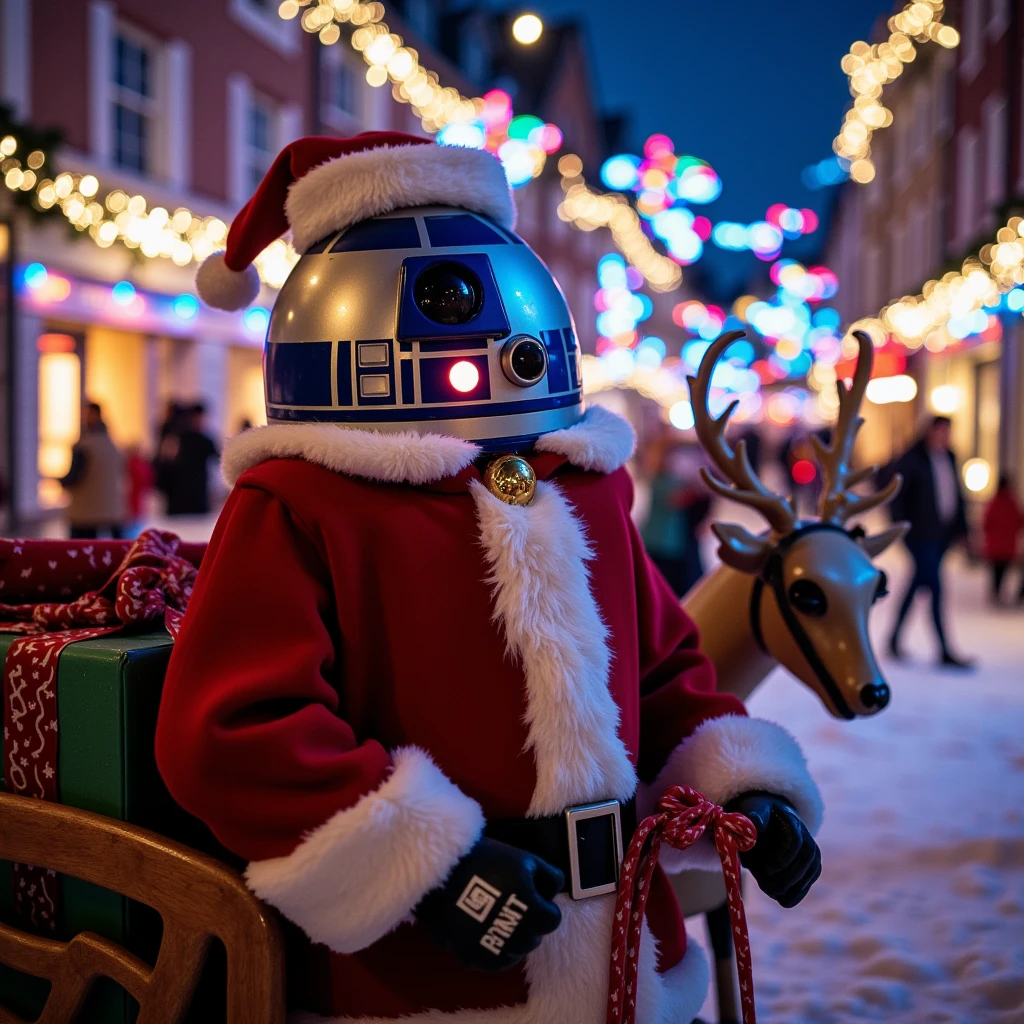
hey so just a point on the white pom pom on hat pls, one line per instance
(317, 186)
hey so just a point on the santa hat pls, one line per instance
(317, 186)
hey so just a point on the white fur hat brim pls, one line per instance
(356, 186)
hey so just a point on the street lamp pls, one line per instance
(527, 29)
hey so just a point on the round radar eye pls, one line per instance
(448, 293)
(807, 597)
(524, 361)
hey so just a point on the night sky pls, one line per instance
(754, 88)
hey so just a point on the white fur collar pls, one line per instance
(601, 441)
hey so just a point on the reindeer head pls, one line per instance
(814, 580)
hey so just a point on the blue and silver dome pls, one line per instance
(431, 319)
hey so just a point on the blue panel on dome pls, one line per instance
(395, 233)
(299, 373)
(460, 229)
(408, 390)
(570, 352)
(489, 322)
(344, 373)
(558, 370)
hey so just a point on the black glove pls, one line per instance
(496, 906)
(786, 861)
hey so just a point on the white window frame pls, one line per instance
(16, 57)
(286, 127)
(169, 157)
(267, 26)
(150, 108)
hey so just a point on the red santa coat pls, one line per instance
(379, 655)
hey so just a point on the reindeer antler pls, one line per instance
(735, 466)
(838, 503)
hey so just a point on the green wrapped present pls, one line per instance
(81, 691)
(108, 693)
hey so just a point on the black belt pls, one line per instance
(585, 843)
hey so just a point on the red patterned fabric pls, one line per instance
(684, 816)
(151, 585)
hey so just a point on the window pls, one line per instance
(133, 103)
(260, 17)
(342, 91)
(966, 184)
(260, 143)
(994, 125)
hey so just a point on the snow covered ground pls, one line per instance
(919, 913)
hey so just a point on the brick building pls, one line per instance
(949, 173)
(185, 105)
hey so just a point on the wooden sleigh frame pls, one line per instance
(199, 899)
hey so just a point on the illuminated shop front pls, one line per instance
(134, 352)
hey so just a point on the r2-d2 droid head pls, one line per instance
(413, 304)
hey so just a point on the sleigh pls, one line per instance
(202, 901)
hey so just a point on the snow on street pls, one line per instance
(919, 914)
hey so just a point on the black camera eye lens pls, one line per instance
(524, 360)
(528, 360)
(448, 293)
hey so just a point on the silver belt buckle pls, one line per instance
(606, 809)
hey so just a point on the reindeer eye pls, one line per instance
(883, 586)
(807, 597)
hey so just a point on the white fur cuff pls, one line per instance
(357, 877)
(726, 757)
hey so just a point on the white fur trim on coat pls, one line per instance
(568, 978)
(358, 876)
(406, 457)
(726, 757)
(538, 557)
(352, 188)
(223, 288)
(600, 441)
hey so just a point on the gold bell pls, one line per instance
(511, 479)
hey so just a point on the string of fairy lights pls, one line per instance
(663, 183)
(872, 67)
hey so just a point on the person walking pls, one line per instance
(189, 485)
(932, 501)
(1001, 529)
(95, 481)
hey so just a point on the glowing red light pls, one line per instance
(810, 221)
(804, 471)
(702, 228)
(463, 376)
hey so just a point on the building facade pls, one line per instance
(949, 174)
(185, 105)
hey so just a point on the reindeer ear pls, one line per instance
(740, 549)
(876, 543)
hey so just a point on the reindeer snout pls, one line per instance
(875, 695)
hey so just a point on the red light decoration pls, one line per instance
(464, 377)
(804, 471)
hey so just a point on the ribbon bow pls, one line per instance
(684, 815)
